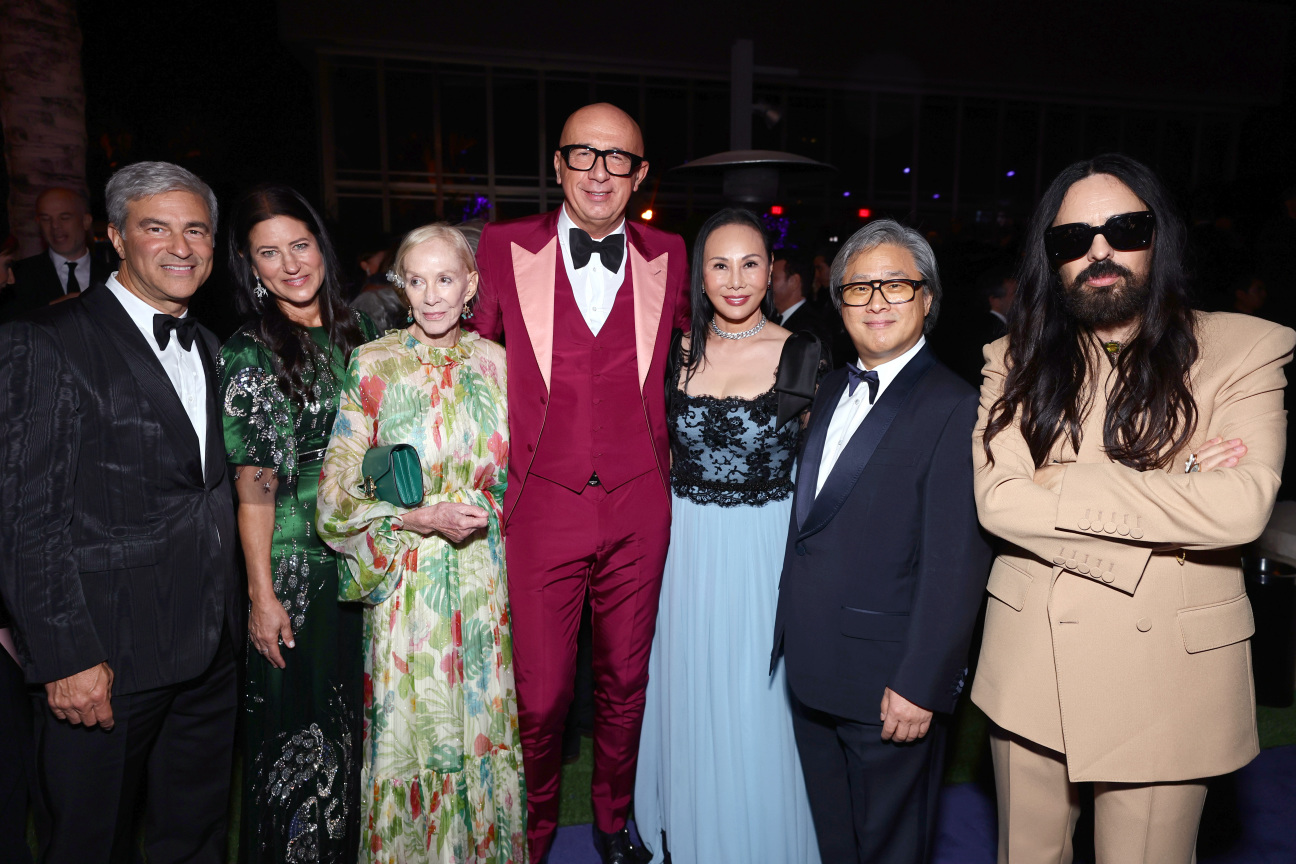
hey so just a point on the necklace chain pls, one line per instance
(751, 331)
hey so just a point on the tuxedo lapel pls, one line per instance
(648, 285)
(118, 328)
(846, 472)
(534, 275)
(812, 456)
(207, 346)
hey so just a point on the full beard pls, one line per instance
(1117, 303)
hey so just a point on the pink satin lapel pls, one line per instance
(534, 276)
(649, 297)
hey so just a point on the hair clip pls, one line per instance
(394, 278)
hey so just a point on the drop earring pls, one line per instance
(409, 317)
(466, 313)
(260, 290)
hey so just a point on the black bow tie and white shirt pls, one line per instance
(854, 406)
(183, 366)
(595, 284)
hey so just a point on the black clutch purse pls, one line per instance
(393, 474)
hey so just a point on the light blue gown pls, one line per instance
(718, 767)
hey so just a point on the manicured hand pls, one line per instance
(1218, 453)
(84, 698)
(454, 521)
(902, 720)
(268, 623)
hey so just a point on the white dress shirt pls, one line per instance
(184, 368)
(851, 410)
(594, 286)
(788, 312)
(82, 269)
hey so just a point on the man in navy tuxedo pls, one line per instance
(885, 561)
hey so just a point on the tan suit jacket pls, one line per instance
(1100, 641)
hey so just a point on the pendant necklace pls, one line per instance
(751, 331)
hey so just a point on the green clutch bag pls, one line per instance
(393, 474)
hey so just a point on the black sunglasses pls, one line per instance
(1124, 232)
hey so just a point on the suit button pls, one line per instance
(1110, 528)
(800, 549)
(1070, 564)
(544, 400)
(1144, 625)
(530, 448)
(1083, 569)
(1059, 560)
(1083, 524)
(1097, 527)
(1122, 529)
(1136, 533)
(1109, 577)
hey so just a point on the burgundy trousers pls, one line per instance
(559, 543)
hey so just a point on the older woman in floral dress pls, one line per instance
(442, 771)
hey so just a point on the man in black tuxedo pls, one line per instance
(66, 267)
(885, 563)
(118, 530)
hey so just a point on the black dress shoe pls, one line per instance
(616, 848)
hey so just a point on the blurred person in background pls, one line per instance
(66, 267)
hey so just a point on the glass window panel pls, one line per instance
(562, 97)
(710, 120)
(664, 127)
(1175, 164)
(621, 91)
(411, 132)
(894, 145)
(1102, 132)
(937, 133)
(355, 116)
(807, 124)
(767, 132)
(1140, 139)
(359, 217)
(1017, 156)
(517, 130)
(1062, 140)
(978, 169)
(463, 126)
(850, 145)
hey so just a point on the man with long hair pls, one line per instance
(1125, 447)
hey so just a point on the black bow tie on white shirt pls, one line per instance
(855, 375)
(186, 329)
(611, 249)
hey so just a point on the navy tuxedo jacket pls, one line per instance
(884, 569)
(117, 546)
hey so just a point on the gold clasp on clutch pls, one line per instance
(1182, 556)
(369, 488)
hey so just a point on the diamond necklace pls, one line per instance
(743, 335)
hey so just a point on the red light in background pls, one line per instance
(776, 210)
(865, 213)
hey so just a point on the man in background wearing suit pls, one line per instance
(66, 267)
(789, 281)
(118, 529)
(587, 301)
(1126, 446)
(885, 561)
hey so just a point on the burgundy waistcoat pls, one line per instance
(595, 421)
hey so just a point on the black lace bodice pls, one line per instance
(728, 451)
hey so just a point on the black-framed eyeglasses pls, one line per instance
(1124, 232)
(618, 163)
(893, 291)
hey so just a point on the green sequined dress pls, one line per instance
(301, 724)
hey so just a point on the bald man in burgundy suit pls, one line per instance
(588, 302)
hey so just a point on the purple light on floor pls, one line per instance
(906, 170)
(1012, 173)
(935, 195)
(846, 194)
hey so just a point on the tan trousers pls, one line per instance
(1153, 823)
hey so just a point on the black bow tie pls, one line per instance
(611, 249)
(856, 375)
(186, 330)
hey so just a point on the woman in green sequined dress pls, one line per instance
(280, 377)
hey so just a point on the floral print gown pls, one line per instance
(441, 778)
(301, 724)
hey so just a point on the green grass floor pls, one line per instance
(969, 759)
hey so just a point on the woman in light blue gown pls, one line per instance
(719, 780)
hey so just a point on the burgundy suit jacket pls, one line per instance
(518, 261)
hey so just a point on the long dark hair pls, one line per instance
(1151, 413)
(294, 352)
(702, 309)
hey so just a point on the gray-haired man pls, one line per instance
(117, 525)
(885, 561)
